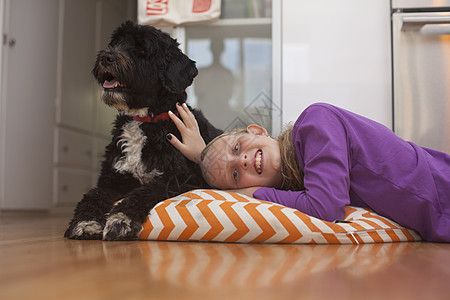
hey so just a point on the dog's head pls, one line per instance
(142, 69)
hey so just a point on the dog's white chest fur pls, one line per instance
(131, 142)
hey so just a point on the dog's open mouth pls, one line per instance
(112, 84)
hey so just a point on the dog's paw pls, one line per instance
(85, 230)
(120, 228)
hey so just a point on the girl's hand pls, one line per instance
(193, 143)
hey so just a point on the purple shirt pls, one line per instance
(350, 160)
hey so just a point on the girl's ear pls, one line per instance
(257, 130)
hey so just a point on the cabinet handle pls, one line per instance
(11, 42)
(416, 23)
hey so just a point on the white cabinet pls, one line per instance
(337, 52)
(74, 149)
(234, 60)
(83, 122)
(53, 126)
(77, 50)
(71, 185)
(27, 102)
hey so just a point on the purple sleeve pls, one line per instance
(321, 145)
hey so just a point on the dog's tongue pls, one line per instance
(110, 84)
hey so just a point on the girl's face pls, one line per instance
(244, 160)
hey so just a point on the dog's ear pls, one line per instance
(179, 71)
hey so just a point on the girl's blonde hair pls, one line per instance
(290, 170)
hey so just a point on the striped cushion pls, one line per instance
(219, 216)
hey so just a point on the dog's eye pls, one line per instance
(141, 52)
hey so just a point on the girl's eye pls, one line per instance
(235, 175)
(236, 149)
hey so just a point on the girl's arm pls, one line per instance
(322, 148)
(193, 143)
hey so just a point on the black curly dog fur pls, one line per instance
(143, 74)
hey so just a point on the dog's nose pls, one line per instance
(108, 57)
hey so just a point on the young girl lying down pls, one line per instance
(328, 159)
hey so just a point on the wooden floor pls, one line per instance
(36, 262)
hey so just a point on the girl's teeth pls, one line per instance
(258, 162)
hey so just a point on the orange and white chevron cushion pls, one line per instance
(219, 216)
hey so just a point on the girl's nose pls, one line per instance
(244, 160)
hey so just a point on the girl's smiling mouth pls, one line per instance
(258, 161)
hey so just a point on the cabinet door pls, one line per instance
(113, 13)
(27, 103)
(72, 185)
(234, 59)
(337, 52)
(74, 149)
(77, 58)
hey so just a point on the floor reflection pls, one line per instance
(237, 265)
(213, 265)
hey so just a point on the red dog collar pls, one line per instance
(153, 119)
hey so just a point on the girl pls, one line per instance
(328, 159)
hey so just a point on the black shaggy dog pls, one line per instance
(143, 74)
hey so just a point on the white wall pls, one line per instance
(337, 52)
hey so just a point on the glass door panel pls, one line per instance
(234, 59)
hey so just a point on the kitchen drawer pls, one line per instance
(74, 149)
(100, 151)
(71, 185)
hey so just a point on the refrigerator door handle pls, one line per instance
(415, 23)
